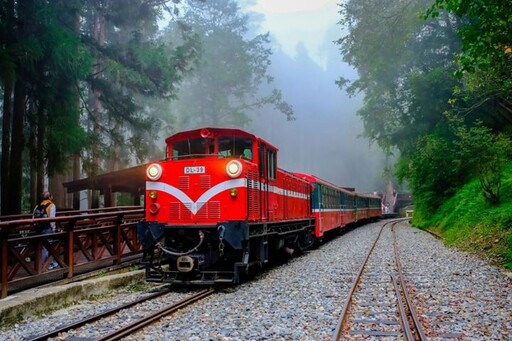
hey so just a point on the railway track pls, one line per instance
(132, 327)
(378, 304)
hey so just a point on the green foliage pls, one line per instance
(136, 287)
(413, 90)
(485, 34)
(124, 199)
(468, 221)
(484, 154)
(432, 173)
(404, 65)
(444, 161)
(485, 59)
(134, 67)
(224, 85)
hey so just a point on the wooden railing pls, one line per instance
(83, 241)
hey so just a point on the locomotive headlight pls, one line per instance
(152, 195)
(234, 168)
(154, 171)
(233, 192)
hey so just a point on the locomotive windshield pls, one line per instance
(192, 147)
(228, 146)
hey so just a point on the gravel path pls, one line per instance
(302, 299)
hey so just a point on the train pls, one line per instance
(218, 205)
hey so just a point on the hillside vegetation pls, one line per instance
(437, 83)
(467, 221)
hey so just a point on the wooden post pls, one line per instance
(4, 249)
(107, 196)
(69, 256)
(117, 240)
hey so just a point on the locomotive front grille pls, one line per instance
(177, 211)
(210, 210)
(184, 182)
(205, 182)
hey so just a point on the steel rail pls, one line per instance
(96, 317)
(412, 311)
(403, 315)
(141, 323)
(344, 312)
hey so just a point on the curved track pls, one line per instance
(378, 304)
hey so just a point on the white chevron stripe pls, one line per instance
(206, 196)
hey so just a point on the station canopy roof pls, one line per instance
(130, 180)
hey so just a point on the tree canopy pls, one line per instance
(70, 74)
(225, 84)
(86, 85)
(436, 83)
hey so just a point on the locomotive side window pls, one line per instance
(271, 164)
(191, 147)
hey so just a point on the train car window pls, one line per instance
(323, 197)
(350, 201)
(192, 147)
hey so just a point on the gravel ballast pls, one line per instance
(302, 299)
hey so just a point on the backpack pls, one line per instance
(40, 212)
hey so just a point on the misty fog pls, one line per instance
(324, 139)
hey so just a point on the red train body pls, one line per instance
(218, 204)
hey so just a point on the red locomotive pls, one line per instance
(218, 204)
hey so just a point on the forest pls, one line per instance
(436, 77)
(88, 86)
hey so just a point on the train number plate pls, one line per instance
(194, 170)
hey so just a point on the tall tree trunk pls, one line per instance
(34, 156)
(99, 35)
(36, 147)
(16, 171)
(6, 146)
(7, 35)
(58, 191)
(70, 17)
(76, 176)
(76, 157)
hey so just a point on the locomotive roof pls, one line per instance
(211, 132)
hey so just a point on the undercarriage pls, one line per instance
(220, 254)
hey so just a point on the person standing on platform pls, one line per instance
(46, 209)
